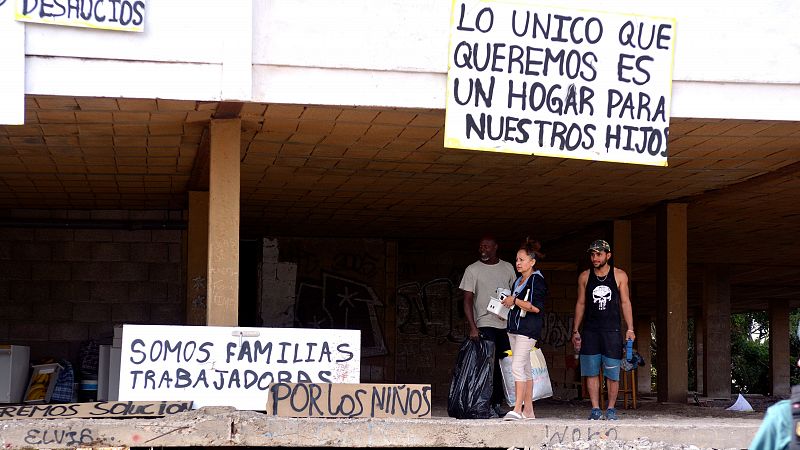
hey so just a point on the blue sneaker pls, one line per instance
(596, 414)
(611, 414)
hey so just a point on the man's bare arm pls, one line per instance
(469, 312)
(625, 302)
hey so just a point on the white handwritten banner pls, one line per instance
(227, 366)
(12, 67)
(557, 82)
(119, 15)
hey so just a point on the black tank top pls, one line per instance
(602, 302)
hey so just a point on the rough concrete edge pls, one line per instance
(219, 426)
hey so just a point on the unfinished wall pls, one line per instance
(332, 283)
(60, 287)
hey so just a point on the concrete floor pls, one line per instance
(559, 425)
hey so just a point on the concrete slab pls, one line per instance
(212, 427)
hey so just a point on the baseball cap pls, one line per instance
(599, 246)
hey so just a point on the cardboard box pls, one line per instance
(43, 381)
(14, 365)
(108, 374)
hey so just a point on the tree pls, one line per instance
(750, 351)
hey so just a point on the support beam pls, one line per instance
(223, 222)
(779, 348)
(621, 247)
(642, 329)
(671, 330)
(197, 259)
(699, 352)
(717, 333)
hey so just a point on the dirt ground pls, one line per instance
(648, 408)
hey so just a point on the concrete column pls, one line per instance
(392, 256)
(779, 348)
(621, 247)
(642, 329)
(223, 222)
(671, 329)
(699, 353)
(197, 259)
(717, 333)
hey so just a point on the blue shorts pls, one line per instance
(590, 366)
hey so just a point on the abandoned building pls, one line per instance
(252, 164)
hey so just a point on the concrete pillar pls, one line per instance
(621, 247)
(699, 353)
(717, 333)
(779, 348)
(642, 329)
(392, 257)
(671, 329)
(223, 222)
(197, 259)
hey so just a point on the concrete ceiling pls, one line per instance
(351, 171)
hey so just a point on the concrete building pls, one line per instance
(235, 164)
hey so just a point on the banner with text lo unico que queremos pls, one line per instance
(548, 81)
(231, 366)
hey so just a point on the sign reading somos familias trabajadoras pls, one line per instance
(548, 81)
(119, 15)
(227, 366)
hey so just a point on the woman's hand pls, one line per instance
(508, 302)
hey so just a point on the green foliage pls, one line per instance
(750, 352)
(749, 357)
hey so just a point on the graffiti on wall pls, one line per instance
(342, 303)
(430, 309)
(556, 329)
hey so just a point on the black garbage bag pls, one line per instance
(471, 388)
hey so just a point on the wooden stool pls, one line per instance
(627, 389)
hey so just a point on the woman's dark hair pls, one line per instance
(532, 247)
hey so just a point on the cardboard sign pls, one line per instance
(93, 410)
(548, 81)
(119, 15)
(349, 400)
(227, 366)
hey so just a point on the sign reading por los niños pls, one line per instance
(120, 15)
(554, 82)
(408, 401)
(226, 366)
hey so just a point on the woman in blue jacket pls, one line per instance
(525, 325)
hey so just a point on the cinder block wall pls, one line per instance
(333, 283)
(60, 287)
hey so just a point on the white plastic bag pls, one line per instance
(542, 388)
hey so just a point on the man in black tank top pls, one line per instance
(602, 296)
